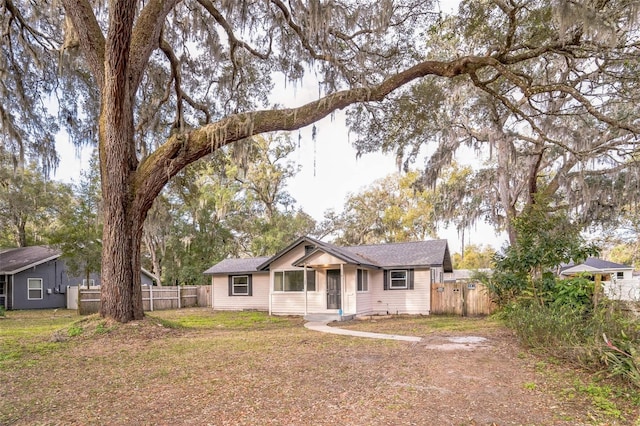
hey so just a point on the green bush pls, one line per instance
(605, 340)
(575, 292)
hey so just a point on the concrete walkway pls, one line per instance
(324, 328)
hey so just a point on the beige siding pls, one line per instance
(322, 258)
(287, 303)
(416, 301)
(259, 300)
(284, 262)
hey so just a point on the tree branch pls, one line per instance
(92, 42)
(145, 36)
(183, 149)
(234, 42)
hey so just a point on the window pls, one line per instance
(92, 282)
(363, 280)
(620, 275)
(288, 280)
(398, 279)
(34, 288)
(311, 280)
(240, 285)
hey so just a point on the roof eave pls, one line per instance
(255, 271)
(31, 265)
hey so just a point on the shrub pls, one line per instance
(605, 339)
(575, 292)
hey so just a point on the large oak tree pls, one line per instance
(168, 82)
(575, 145)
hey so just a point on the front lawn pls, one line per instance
(196, 366)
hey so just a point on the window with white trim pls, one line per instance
(620, 275)
(240, 285)
(398, 279)
(288, 280)
(311, 280)
(34, 288)
(363, 280)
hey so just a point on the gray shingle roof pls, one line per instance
(341, 253)
(15, 260)
(418, 253)
(235, 266)
(594, 262)
(412, 254)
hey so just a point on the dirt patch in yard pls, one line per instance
(283, 374)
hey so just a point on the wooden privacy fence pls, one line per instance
(466, 298)
(154, 298)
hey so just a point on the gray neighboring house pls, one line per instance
(36, 278)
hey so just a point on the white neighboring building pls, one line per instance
(617, 279)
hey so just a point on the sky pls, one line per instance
(330, 170)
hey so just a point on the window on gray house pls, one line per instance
(34, 288)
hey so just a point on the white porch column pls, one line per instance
(304, 279)
(342, 292)
(270, 291)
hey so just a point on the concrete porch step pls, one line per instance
(327, 317)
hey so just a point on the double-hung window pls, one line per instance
(363, 280)
(34, 288)
(398, 279)
(240, 285)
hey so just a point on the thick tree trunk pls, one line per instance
(121, 296)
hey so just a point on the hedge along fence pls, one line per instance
(154, 298)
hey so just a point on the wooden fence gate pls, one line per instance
(460, 298)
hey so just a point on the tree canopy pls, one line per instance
(563, 123)
(159, 84)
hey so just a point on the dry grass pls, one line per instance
(195, 366)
